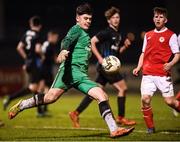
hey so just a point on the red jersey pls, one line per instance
(158, 48)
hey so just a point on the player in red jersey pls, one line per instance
(178, 81)
(156, 62)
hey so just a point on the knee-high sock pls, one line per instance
(36, 100)
(106, 113)
(84, 104)
(121, 105)
(148, 117)
(20, 93)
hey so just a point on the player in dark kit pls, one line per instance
(29, 49)
(49, 53)
(49, 58)
(108, 41)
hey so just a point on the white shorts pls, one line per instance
(150, 84)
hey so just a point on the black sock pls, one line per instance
(20, 93)
(104, 108)
(39, 99)
(107, 115)
(40, 109)
(45, 108)
(84, 104)
(121, 105)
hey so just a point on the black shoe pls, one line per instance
(151, 130)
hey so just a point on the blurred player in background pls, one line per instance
(155, 60)
(109, 42)
(74, 59)
(49, 58)
(177, 82)
(29, 49)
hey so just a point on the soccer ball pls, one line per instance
(111, 64)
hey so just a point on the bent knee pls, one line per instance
(52, 95)
(146, 99)
(169, 102)
(98, 94)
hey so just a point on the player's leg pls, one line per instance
(172, 102)
(31, 88)
(165, 85)
(40, 109)
(37, 100)
(20, 93)
(91, 88)
(178, 96)
(100, 96)
(175, 113)
(121, 100)
(147, 90)
(74, 115)
(40, 99)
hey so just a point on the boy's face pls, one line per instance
(114, 20)
(159, 20)
(84, 21)
(53, 38)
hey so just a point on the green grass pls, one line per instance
(27, 127)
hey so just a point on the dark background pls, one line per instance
(136, 16)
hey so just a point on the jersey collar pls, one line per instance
(156, 31)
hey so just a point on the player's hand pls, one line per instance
(100, 61)
(127, 43)
(136, 71)
(167, 66)
(62, 56)
(24, 67)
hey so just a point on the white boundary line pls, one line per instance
(91, 129)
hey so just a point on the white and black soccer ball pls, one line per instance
(111, 64)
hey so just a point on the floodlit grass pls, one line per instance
(27, 127)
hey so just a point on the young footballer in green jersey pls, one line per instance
(74, 58)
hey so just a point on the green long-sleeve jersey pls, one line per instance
(77, 41)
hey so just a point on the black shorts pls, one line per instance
(33, 71)
(34, 75)
(47, 75)
(103, 78)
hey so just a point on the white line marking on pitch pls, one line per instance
(91, 129)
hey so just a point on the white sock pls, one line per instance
(111, 122)
(29, 103)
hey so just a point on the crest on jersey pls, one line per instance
(161, 39)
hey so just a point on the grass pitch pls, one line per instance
(27, 127)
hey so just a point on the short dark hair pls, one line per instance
(35, 21)
(53, 31)
(161, 10)
(110, 12)
(84, 9)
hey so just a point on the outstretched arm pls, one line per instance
(94, 41)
